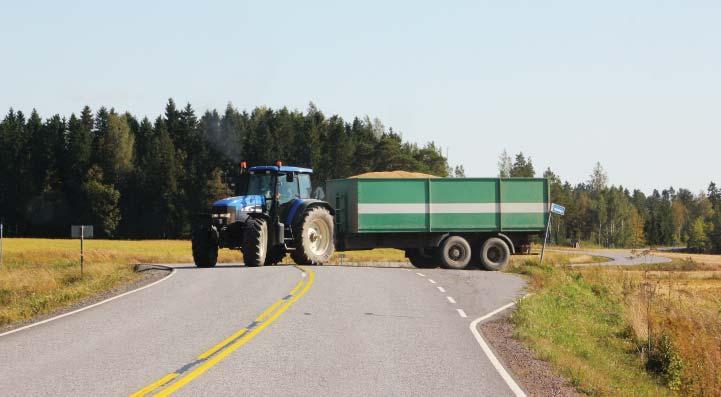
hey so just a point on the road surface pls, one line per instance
(287, 331)
(620, 257)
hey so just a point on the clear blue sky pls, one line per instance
(635, 85)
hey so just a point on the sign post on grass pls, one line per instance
(81, 232)
(1, 243)
(555, 209)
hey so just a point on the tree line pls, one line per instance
(614, 216)
(138, 178)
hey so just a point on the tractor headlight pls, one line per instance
(252, 208)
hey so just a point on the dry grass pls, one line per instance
(42, 275)
(703, 259)
(599, 326)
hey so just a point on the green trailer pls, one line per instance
(452, 222)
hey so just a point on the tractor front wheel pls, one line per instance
(314, 238)
(205, 248)
(255, 242)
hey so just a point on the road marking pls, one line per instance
(431, 281)
(216, 354)
(420, 274)
(442, 290)
(222, 344)
(517, 391)
(172, 273)
(461, 313)
(450, 299)
(149, 388)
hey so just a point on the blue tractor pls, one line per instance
(271, 214)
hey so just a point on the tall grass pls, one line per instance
(620, 331)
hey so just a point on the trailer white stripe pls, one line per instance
(451, 208)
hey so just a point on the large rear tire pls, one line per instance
(313, 238)
(275, 255)
(420, 259)
(454, 253)
(255, 242)
(205, 248)
(494, 254)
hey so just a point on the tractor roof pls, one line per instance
(282, 168)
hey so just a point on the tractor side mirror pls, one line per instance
(289, 177)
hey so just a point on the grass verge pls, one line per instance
(625, 331)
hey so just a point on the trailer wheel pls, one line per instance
(313, 238)
(420, 259)
(275, 255)
(255, 242)
(205, 249)
(454, 253)
(494, 254)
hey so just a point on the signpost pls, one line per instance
(1, 243)
(81, 232)
(555, 209)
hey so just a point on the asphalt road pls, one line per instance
(328, 331)
(621, 257)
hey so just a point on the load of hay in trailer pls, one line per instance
(448, 222)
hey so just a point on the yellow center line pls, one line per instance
(222, 349)
(222, 344)
(149, 388)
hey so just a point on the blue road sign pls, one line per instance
(558, 209)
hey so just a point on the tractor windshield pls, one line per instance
(256, 184)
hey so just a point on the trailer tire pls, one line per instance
(313, 237)
(255, 242)
(205, 250)
(274, 255)
(420, 259)
(454, 253)
(494, 254)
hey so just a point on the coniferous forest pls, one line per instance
(142, 178)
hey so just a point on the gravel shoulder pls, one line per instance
(536, 377)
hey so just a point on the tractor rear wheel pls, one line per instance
(205, 249)
(313, 237)
(274, 255)
(255, 242)
(454, 253)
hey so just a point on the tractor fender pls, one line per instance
(300, 206)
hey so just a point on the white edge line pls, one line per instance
(47, 320)
(517, 391)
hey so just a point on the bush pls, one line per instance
(665, 360)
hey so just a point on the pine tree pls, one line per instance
(522, 167)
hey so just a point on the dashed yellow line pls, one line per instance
(230, 344)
